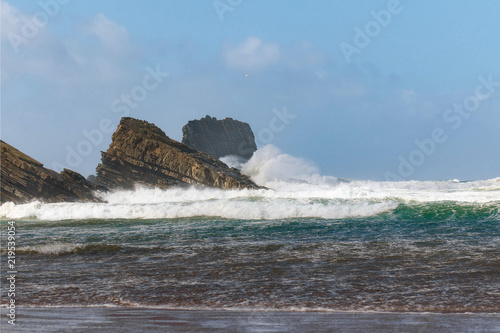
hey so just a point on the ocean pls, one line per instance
(307, 244)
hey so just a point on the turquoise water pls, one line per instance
(414, 256)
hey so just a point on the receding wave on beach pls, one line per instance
(129, 319)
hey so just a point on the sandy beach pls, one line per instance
(110, 319)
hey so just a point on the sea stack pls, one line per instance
(219, 138)
(142, 154)
(25, 179)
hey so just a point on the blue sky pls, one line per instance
(364, 89)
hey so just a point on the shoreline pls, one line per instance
(134, 319)
(3, 307)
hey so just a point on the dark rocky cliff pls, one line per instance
(141, 153)
(24, 179)
(219, 138)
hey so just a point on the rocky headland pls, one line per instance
(24, 179)
(219, 138)
(142, 154)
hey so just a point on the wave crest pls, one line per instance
(68, 248)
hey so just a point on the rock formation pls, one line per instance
(219, 138)
(141, 153)
(24, 179)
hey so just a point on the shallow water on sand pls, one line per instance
(45, 320)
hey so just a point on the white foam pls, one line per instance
(52, 248)
(218, 204)
(296, 190)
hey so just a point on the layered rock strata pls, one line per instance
(24, 179)
(142, 154)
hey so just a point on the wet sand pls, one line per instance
(110, 319)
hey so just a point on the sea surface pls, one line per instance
(307, 243)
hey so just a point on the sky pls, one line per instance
(378, 90)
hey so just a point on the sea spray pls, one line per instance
(269, 164)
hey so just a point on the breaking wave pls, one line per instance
(295, 190)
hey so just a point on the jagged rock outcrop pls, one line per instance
(24, 179)
(141, 153)
(219, 138)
